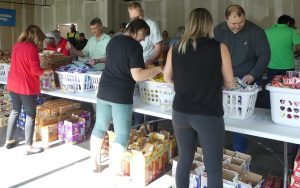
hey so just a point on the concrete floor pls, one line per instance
(63, 165)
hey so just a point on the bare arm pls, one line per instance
(156, 54)
(139, 74)
(168, 71)
(97, 61)
(227, 71)
(75, 51)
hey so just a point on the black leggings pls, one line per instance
(209, 131)
(29, 103)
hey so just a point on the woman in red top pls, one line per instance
(24, 84)
(57, 43)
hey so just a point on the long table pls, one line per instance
(259, 124)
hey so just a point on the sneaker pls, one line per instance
(34, 151)
(10, 144)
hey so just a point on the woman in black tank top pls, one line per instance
(199, 66)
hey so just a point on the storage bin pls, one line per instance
(95, 79)
(238, 104)
(285, 105)
(4, 68)
(150, 91)
(75, 81)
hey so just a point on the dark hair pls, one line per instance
(81, 34)
(234, 8)
(123, 25)
(96, 21)
(137, 24)
(284, 19)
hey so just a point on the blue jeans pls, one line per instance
(121, 114)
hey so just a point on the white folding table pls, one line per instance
(259, 124)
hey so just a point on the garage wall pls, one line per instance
(169, 14)
(24, 16)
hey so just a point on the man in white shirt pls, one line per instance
(152, 43)
(152, 50)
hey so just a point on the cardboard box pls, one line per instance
(272, 182)
(233, 167)
(74, 126)
(198, 157)
(229, 152)
(195, 174)
(126, 162)
(49, 133)
(230, 179)
(245, 157)
(240, 162)
(227, 158)
(199, 150)
(250, 180)
(166, 159)
(141, 168)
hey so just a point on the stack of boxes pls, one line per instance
(147, 155)
(74, 129)
(49, 114)
(5, 106)
(295, 179)
(235, 171)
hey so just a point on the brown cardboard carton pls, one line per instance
(245, 157)
(250, 180)
(229, 152)
(233, 167)
(230, 179)
(240, 162)
(141, 169)
(49, 133)
(48, 121)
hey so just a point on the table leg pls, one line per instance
(285, 165)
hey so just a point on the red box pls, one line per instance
(295, 182)
(296, 170)
(273, 182)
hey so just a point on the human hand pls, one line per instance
(92, 62)
(248, 79)
(149, 62)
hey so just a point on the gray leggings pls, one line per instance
(209, 131)
(29, 103)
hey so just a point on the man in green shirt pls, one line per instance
(282, 40)
(96, 45)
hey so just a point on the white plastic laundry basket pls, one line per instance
(239, 105)
(285, 105)
(4, 68)
(75, 81)
(95, 79)
(150, 91)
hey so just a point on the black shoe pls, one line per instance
(10, 145)
(34, 151)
